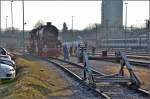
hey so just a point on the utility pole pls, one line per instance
(107, 27)
(0, 23)
(6, 22)
(126, 28)
(72, 28)
(23, 25)
(96, 35)
(149, 34)
(148, 28)
(11, 17)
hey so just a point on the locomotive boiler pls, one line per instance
(43, 41)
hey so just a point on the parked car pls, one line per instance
(5, 57)
(3, 51)
(8, 62)
(6, 71)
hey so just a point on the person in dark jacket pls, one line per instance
(66, 52)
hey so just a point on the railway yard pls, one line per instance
(52, 78)
(109, 68)
(38, 79)
(50, 69)
(86, 58)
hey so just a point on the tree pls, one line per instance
(9, 29)
(65, 28)
(148, 24)
(39, 23)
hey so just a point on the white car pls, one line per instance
(5, 57)
(7, 72)
(8, 62)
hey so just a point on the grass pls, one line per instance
(33, 81)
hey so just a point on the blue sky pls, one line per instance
(57, 12)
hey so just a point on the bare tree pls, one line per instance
(9, 29)
(65, 28)
(39, 23)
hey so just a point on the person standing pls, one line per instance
(66, 52)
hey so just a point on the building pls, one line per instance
(13, 40)
(112, 18)
(112, 13)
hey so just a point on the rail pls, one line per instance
(94, 80)
(124, 62)
(117, 78)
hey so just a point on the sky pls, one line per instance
(58, 12)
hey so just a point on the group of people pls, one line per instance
(68, 51)
(76, 51)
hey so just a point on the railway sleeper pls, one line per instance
(112, 80)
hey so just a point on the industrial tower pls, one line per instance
(112, 13)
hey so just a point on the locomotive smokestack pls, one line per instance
(49, 23)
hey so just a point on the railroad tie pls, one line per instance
(118, 79)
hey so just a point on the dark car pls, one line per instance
(3, 51)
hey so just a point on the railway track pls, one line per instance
(105, 90)
(132, 60)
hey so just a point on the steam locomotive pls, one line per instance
(43, 41)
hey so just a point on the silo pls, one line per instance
(112, 13)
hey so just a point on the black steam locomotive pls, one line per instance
(43, 41)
